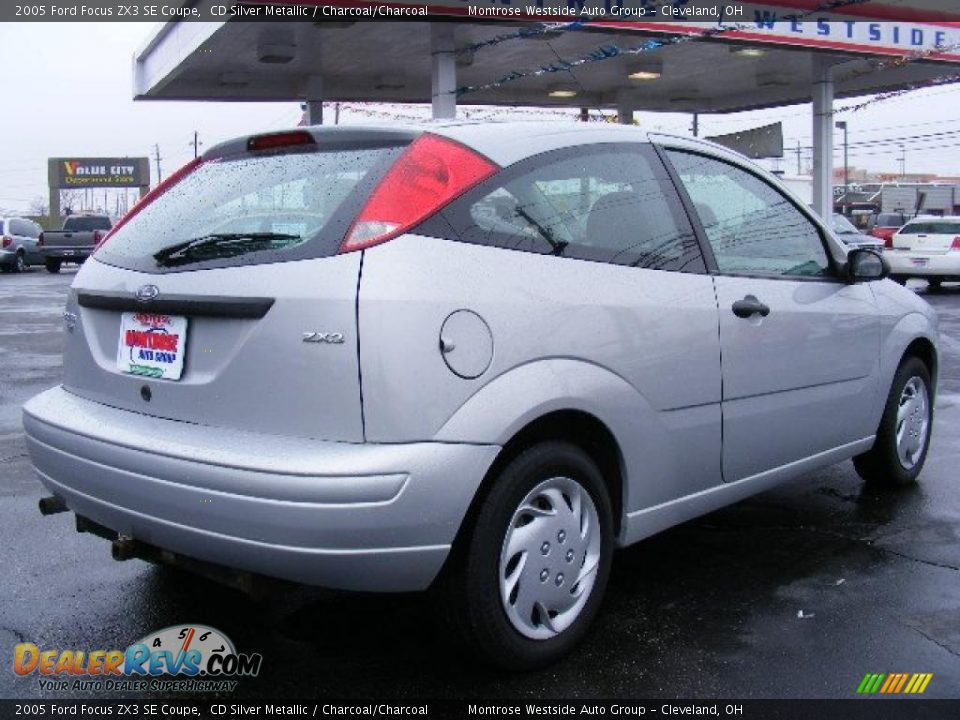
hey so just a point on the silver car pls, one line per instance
(19, 244)
(475, 358)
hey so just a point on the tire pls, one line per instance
(899, 279)
(53, 266)
(887, 462)
(500, 581)
(19, 263)
(934, 284)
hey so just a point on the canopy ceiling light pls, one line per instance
(233, 79)
(562, 91)
(772, 79)
(650, 69)
(747, 51)
(276, 53)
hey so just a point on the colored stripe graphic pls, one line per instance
(894, 683)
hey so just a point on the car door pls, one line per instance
(800, 346)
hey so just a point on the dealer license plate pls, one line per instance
(152, 345)
(919, 262)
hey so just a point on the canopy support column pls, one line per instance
(443, 71)
(315, 100)
(823, 136)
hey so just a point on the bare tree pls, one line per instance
(38, 206)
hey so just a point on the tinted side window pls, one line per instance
(608, 203)
(19, 227)
(752, 228)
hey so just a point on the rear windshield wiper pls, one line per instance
(183, 252)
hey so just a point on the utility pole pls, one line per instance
(797, 151)
(196, 144)
(696, 125)
(903, 161)
(336, 113)
(156, 150)
(842, 125)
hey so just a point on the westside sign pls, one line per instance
(99, 172)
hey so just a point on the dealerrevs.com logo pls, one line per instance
(187, 658)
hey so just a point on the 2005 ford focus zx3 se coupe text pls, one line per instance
(474, 358)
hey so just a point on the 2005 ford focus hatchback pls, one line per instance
(472, 358)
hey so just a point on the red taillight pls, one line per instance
(7, 242)
(888, 241)
(955, 245)
(159, 190)
(280, 140)
(40, 240)
(97, 237)
(428, 175)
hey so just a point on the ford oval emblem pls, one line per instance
(147, 293)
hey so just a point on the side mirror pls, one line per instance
(864, 265)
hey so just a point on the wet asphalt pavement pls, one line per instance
(797, 592)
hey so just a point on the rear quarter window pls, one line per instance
(610, 203)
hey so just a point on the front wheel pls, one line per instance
(934, 284)
(900, 449)
(531, 572)
(53, 266)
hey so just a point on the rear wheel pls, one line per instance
(53, 266)
(900, 450)
(529, 577)
(934, 284)
(899, 279)
(19, 263)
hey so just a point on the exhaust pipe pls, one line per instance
(52, 505)
(126, 548)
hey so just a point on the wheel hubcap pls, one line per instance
(549, 559)
(913, 422)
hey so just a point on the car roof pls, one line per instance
(504, 142)
(932, 218)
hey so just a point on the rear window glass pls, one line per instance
(84, 224)
(890, 220)
(936, 227)
(249, 210)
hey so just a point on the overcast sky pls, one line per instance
(66, 91)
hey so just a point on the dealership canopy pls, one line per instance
(592, 53)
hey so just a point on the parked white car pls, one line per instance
(927, 247)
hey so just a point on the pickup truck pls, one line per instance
(75, 242)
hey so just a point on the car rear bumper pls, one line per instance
(340, 515)
(66, 254)
(907, 263)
